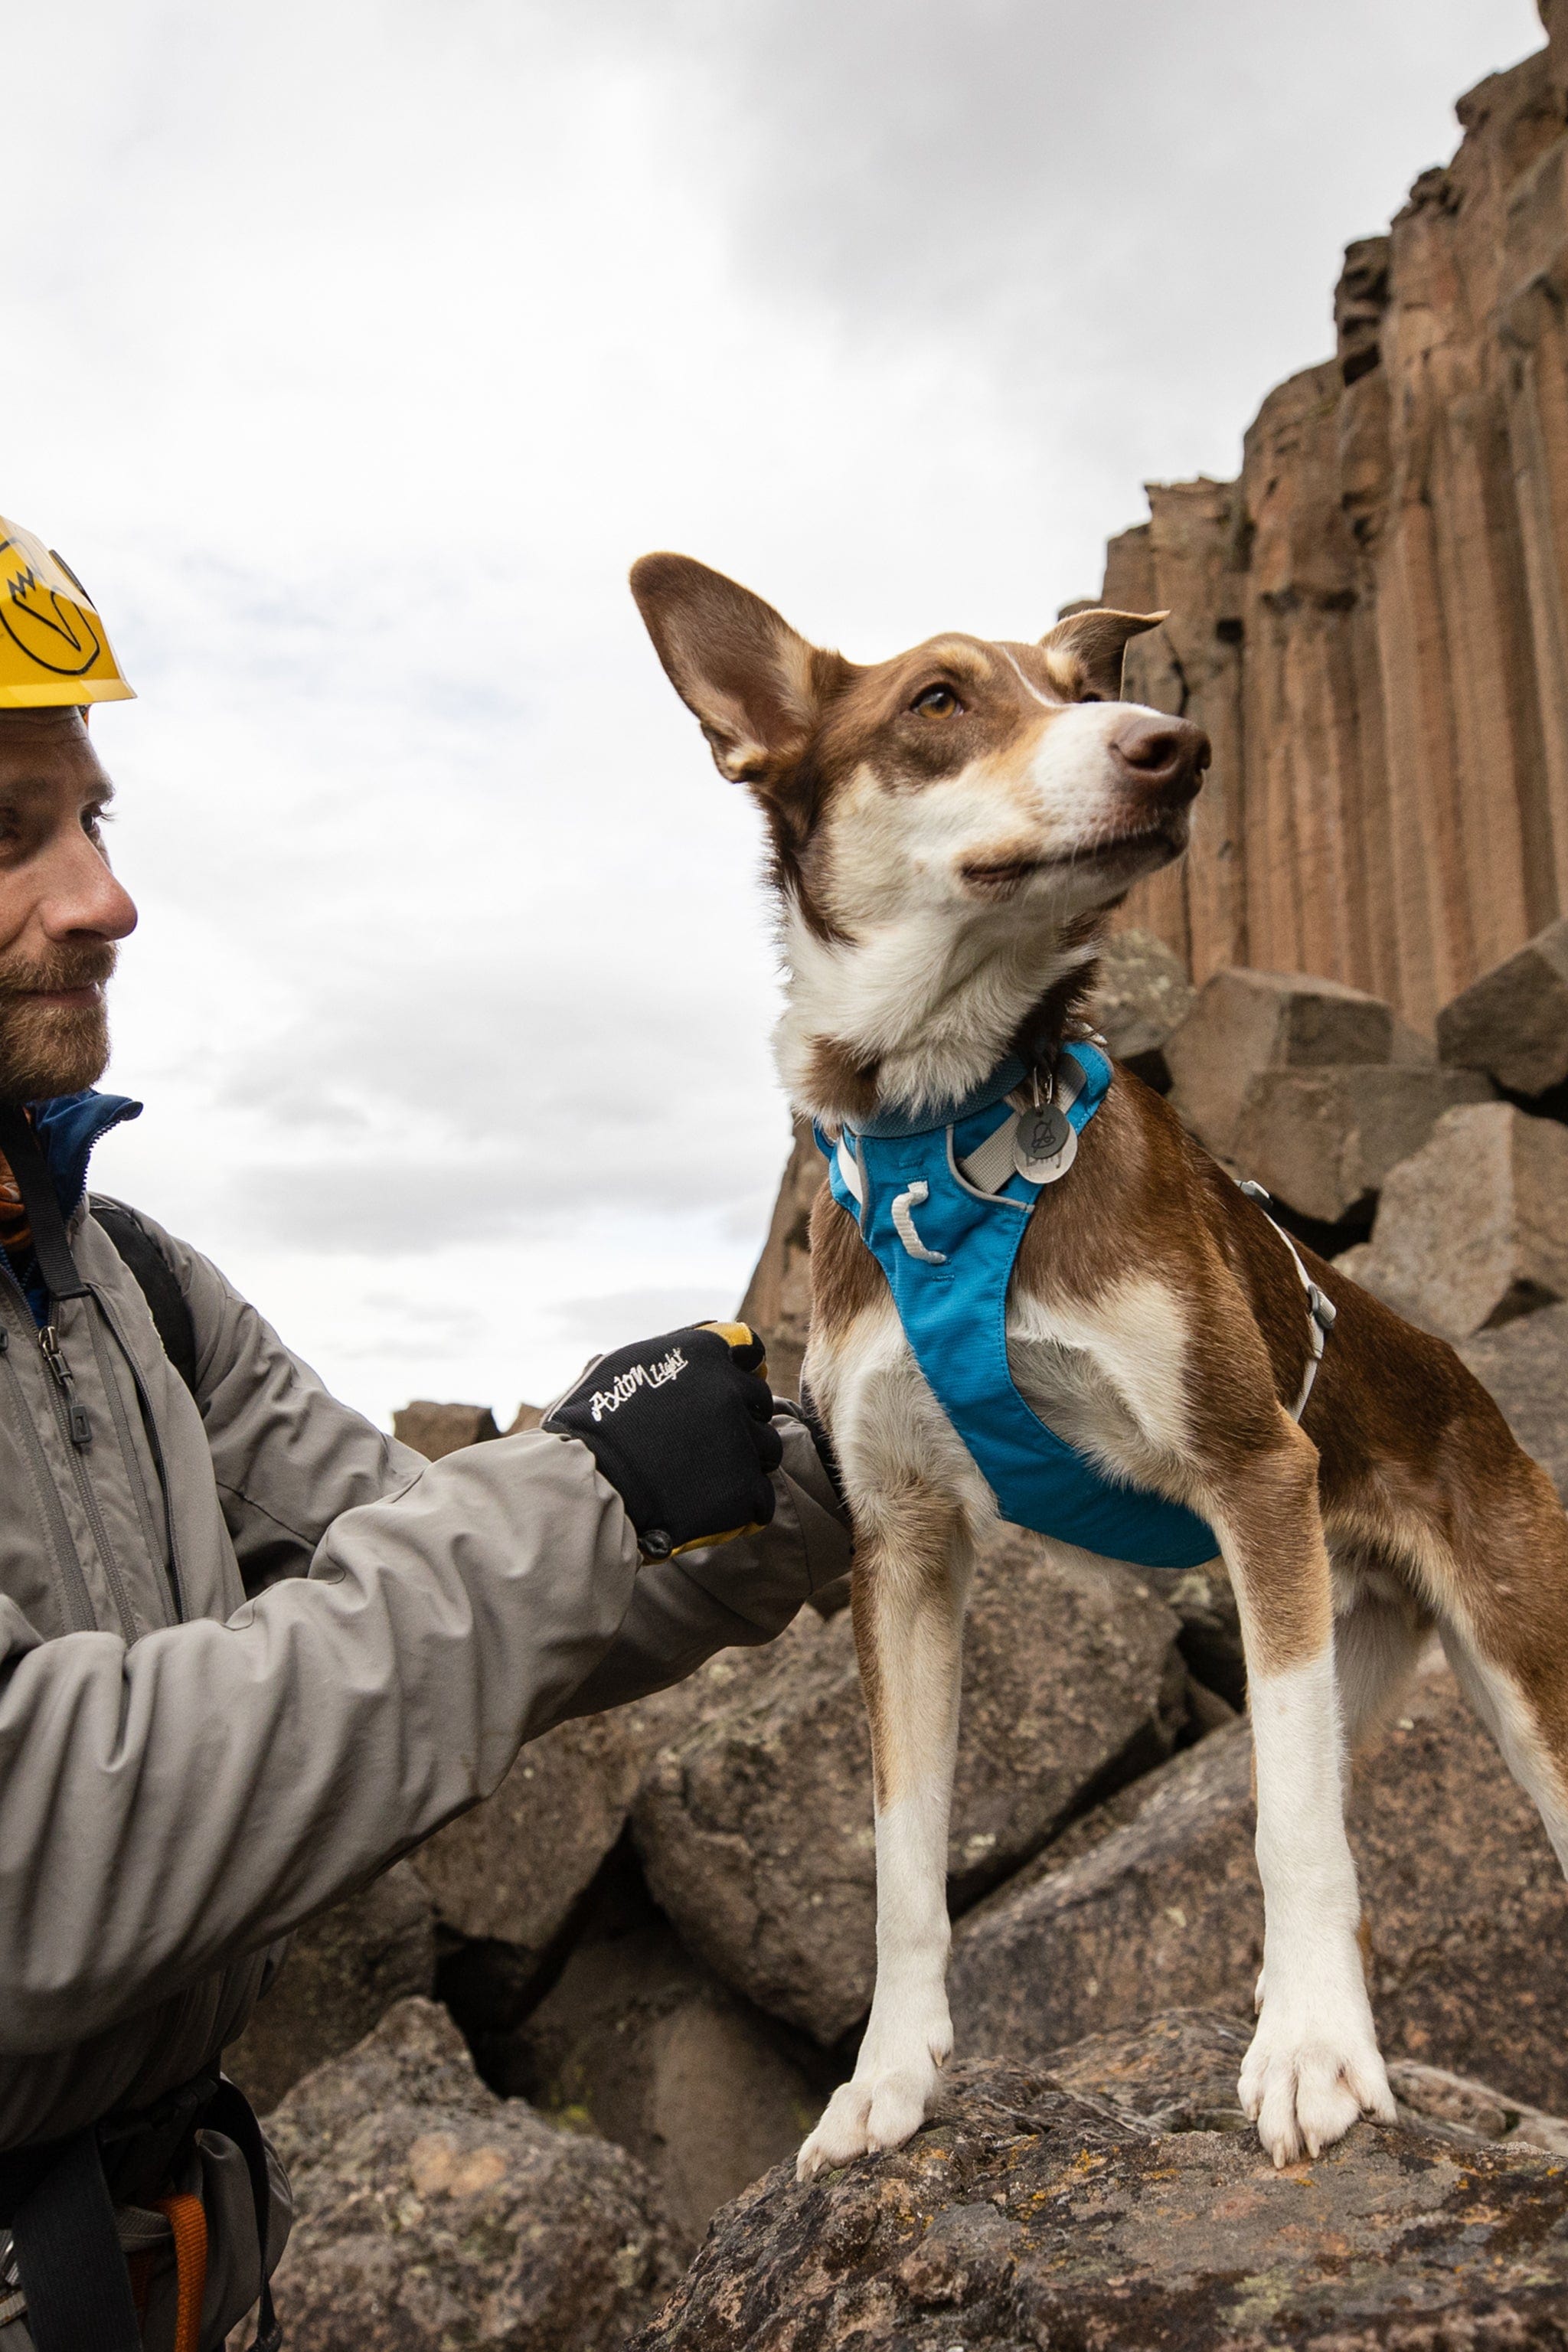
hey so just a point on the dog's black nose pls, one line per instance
(1167, 756)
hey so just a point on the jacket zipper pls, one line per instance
(79, 1610)
(155, 1446)
(128, 1452)
(77, 1428)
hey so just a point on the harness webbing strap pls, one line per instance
(50, 1245)
(67, 2256)
(1320, 1309)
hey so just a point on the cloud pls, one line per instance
(360, 348)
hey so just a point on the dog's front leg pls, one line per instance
(1314, 2066)
(911, 1574)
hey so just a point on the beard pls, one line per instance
(53, 1049)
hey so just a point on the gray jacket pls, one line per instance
(187, 1773)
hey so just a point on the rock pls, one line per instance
(512, 1871)
(1140, 993)
(1210, 1636)
(1180, 2070)
(1513, 1021)
(1368, 622)
(1322, 1140)
(1035, 2210)
(434, 1430)
(1525, 1367)
(431, 2212)
(1472, 1229)
(508, 1876)
(639, 2042)
(1245, 1023)
(756, 1829)
(1464, 1909)
(777, 1303)
(343, 1970)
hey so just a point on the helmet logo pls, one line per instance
(57, 635)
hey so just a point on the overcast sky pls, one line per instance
(355, 347)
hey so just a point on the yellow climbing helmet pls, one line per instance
(53, 646)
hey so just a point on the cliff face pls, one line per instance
(1371, 623)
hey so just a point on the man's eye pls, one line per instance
(937, 702)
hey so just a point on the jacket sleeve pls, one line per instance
(170, 1806)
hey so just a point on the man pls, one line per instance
(187, 1773)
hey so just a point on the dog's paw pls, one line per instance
(1307, 2078)
(882, 2104)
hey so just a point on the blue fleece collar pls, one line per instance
(892, 1126)
(68, 1127)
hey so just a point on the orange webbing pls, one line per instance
(188, 2221)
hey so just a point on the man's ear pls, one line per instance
(1085, 650)
(756, 688)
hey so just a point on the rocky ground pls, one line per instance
(517, 2080)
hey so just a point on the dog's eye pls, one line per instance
(937, 702)
(1089, 695)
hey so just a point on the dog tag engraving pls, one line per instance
(1044, 1145)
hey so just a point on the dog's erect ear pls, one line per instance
(1086, 650)
(753, 684)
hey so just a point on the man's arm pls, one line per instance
(171, 1805)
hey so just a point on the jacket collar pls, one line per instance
(68, 1127)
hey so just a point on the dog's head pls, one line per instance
(947, 827)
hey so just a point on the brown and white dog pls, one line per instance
(949, 828)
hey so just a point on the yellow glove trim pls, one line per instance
(702, 1543)
(736, 1335)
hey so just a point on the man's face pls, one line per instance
(61, 910)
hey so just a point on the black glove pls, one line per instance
(681, 1426)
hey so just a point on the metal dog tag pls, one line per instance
(1044, 1144)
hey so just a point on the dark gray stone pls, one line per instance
(1525, 1366)
(1116, 2205)
(1513, 1021)
(343, 1970)
(433, 2214)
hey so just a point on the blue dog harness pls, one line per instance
(942, 1208)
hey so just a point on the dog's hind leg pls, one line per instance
(912, 1573)
(1503, 1617)
(1381, 1627)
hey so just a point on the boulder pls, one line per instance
(1180, 2070)
(1465, 1907)
(343, 1971)
(1472, 1229)
(777, 1303)
(1513, 1021)
(434, 1430)
(638, 2042)
(512, 1871)
(431, 2212)
(1108, 2206)
(1323, 1140)
(1141, 993)
(756, 1828)
(1210, 1636)
(1525, 1367)
(1247, 1021)
(507, 1877)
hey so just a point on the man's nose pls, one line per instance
(1162, 756)
(81, 894)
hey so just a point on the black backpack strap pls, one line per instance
(156, 1279)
